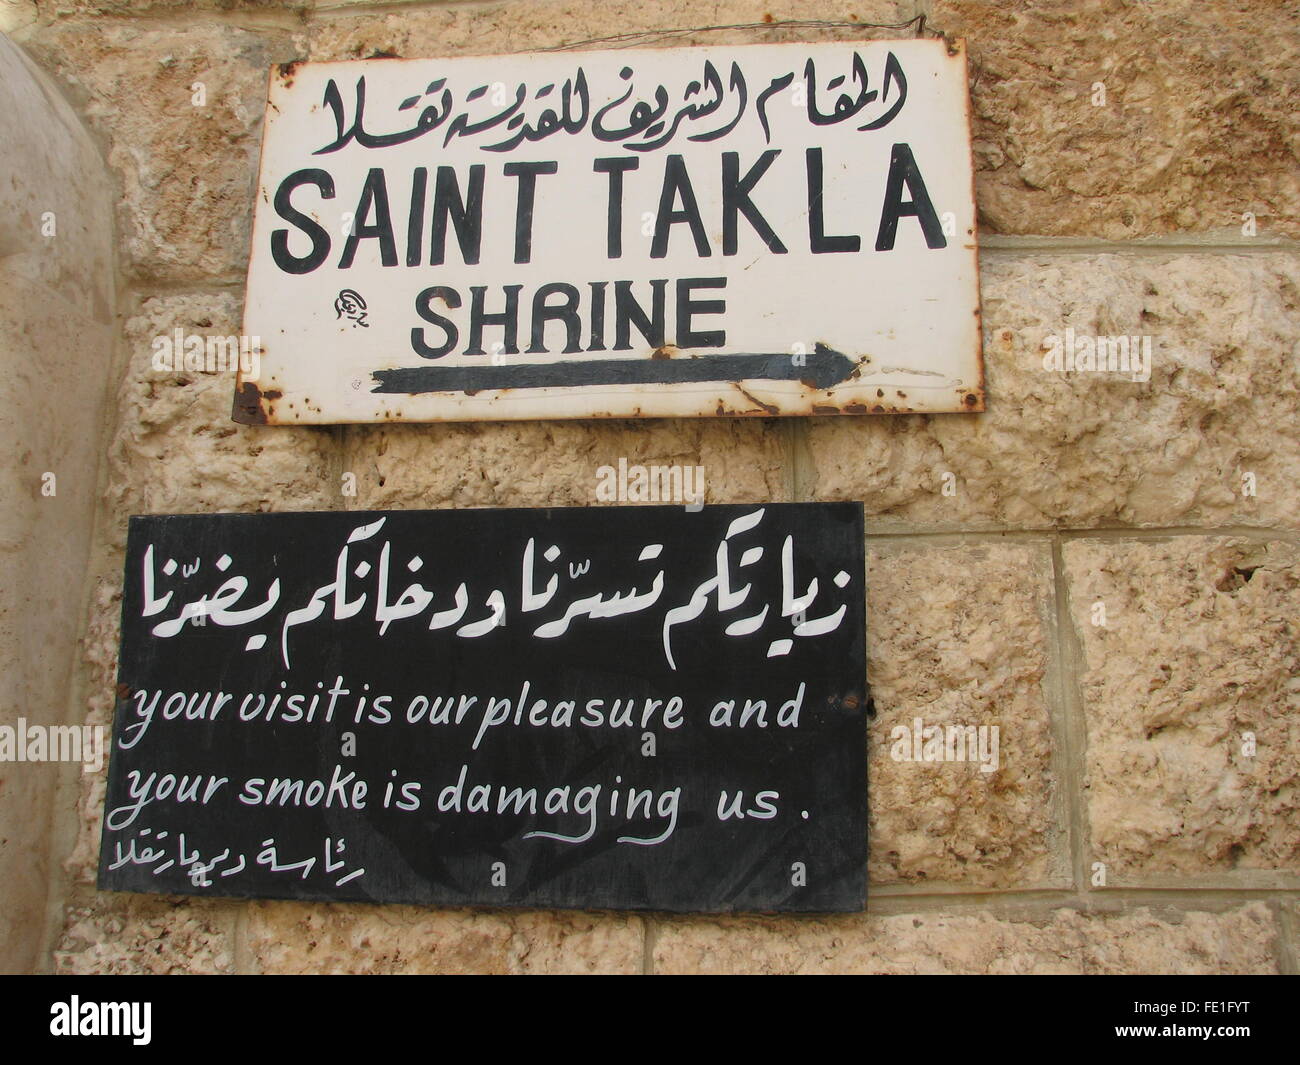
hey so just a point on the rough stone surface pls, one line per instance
(555, 463)
(186, 172)
(1066, 941)
(937, 652)
(99, 664)
(1201, 646)
(176, 449)
(1090, 449)
(287, 937)
(284, 937)
(57, 9)
(143, 935)
(501, 28)
(1198, 125)
(577, 943)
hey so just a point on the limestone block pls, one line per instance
(557, 463)
(1085, 449)
(1197, 664)
(285, 937)
(563, 942)
(1197, 126)
(146, 935)
(290, 937)
(940, 652)
(1241, 940)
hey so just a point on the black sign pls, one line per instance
(632, 707)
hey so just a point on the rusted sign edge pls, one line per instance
(254, 405)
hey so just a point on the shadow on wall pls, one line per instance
(56, 343)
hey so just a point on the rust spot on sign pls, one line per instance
(287, 70)
(758, 402)
(248, 405)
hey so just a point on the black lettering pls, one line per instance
(507, 319)
(818, 241)
(527, 175)
(597, 342)
(566, 313)
(415, 219)
(320, 238)
(424, 308)
(373, 194)
(466, 214)
(677, 183)
(736, 201)
(686, 308)
(904, 171)
(615, 167)
(627, 313)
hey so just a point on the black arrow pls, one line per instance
(822, 369)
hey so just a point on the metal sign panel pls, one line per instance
(633, 707)
(757, 230)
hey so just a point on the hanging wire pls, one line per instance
(628, 40)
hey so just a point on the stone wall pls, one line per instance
(1107, 569)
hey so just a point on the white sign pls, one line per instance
(762, 230)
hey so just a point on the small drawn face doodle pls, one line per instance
(350, 305)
